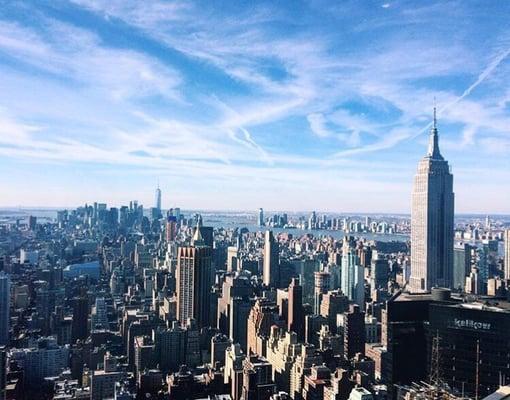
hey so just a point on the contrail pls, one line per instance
(484, 75)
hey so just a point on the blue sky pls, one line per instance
(237, 105)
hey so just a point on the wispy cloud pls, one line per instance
(190, 90)
(68, 52)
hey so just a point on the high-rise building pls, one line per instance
(145, 354)
(333, 302)
(282, 348)
(507, 254)
(194, 279)
(465, 333)
(99, 315)
(232, 258)
(271, 260)
(5, 297)
(170, 347)
(234, 286)
(219, 345)
(354, 332)
(233, 372)
(322, 280)
(32, 222)
(461, 264)
(378, 271)
(171, 228)
(44, 359)
(432, 213)
(263, 315)
(239, 311)
(353, 282)
(80, 318)
(261, 217)
(157, 204)
(296, 315)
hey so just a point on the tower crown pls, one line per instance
(198, 240)
(433, 151)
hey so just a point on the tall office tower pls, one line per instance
(432, 212)
(157, 204)
(353, 281)
(194, 279)
(378, 271)
(237, 327)
(80, 318)
(145, 354)
(32, 222)
(461, 264)
(507, 253)
(354, 332)
(99, 315)
(322, 282)
(5, 300)
(296, 318)
(261, 217)
(271, 260)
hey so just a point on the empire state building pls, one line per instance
(432, 214)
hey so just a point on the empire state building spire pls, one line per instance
(433, 151)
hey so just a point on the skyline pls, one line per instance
(252, 106)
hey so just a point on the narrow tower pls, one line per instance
(432, 213)
(158, 199)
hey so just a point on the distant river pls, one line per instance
(223, 220)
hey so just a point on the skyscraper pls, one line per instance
(80, 318)
(353, 281)
(432, 214)
(322, 282)
(157, 204)
(271, 260)
(354, 332)
(296, 318)
(5, 296)
(261, 217)
(194, 279)
(507, 253)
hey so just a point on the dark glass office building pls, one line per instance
(474, 345)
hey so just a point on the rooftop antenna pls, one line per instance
(434, 362)
(477, 378)
(435, 112)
